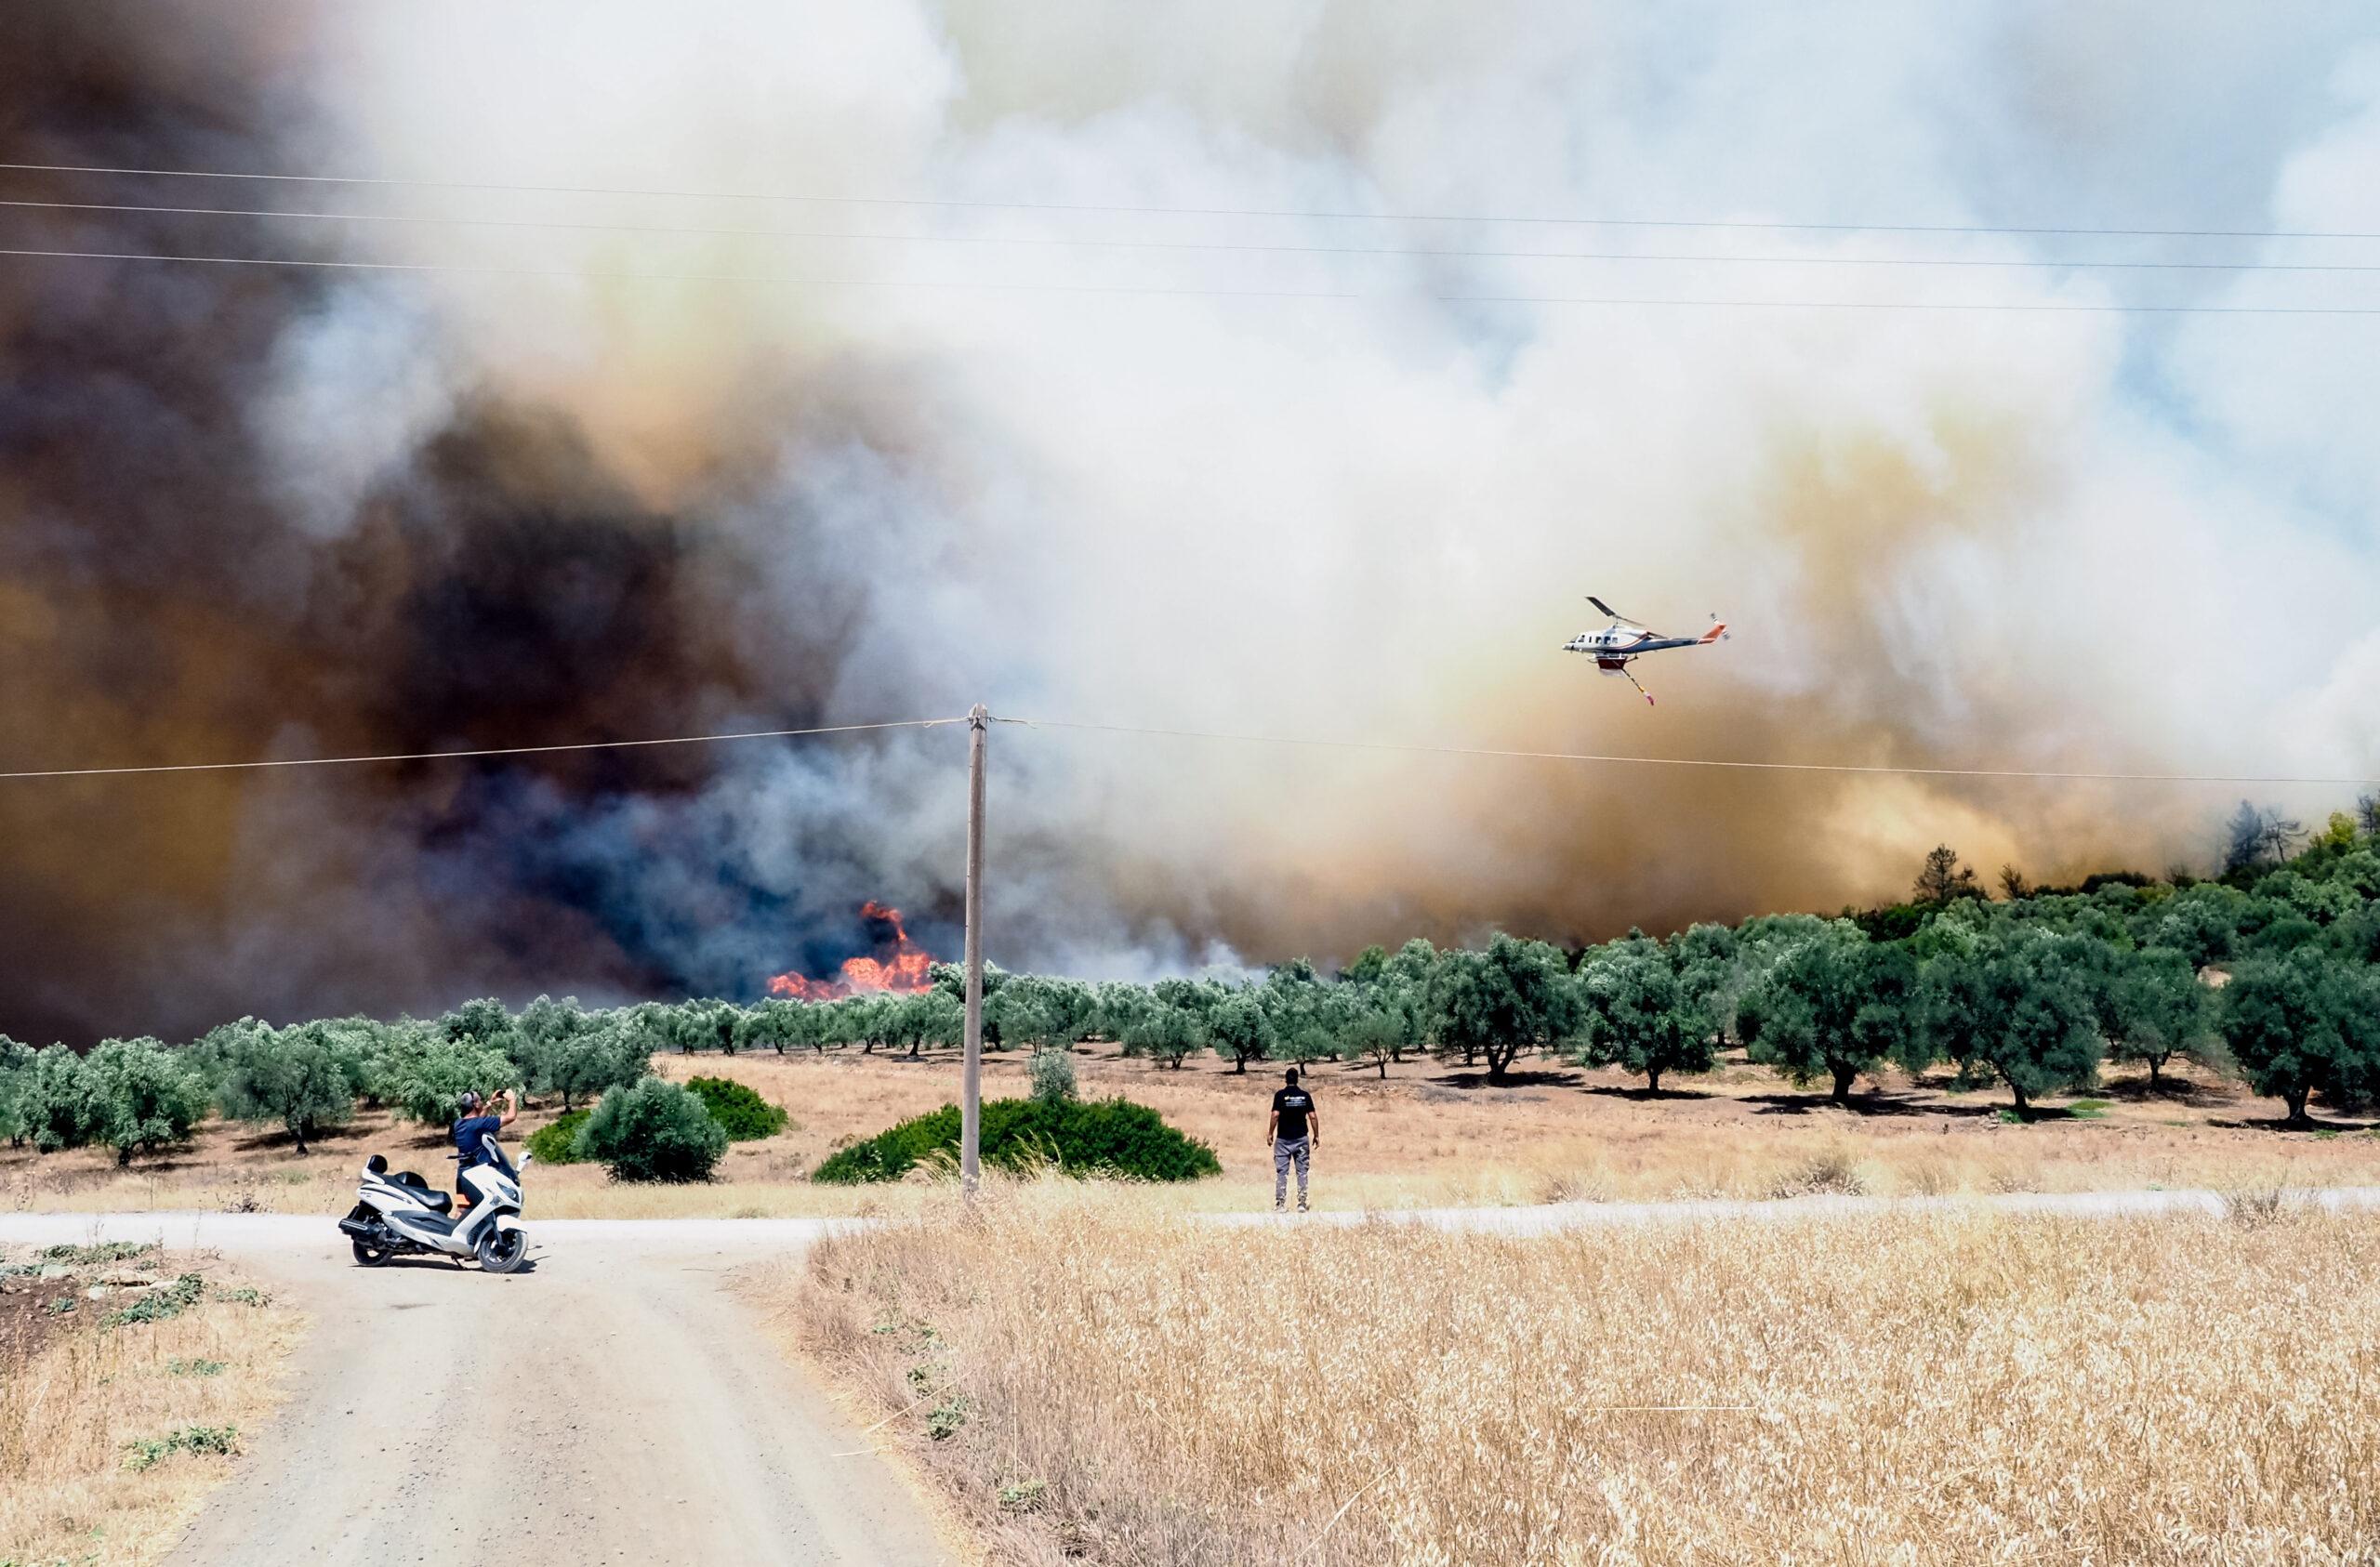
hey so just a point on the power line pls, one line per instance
(481, 751)
(1687, 761)
(1315, 740)
(318, 264)
(1154, 209)
(1074, 241)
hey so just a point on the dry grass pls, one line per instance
(70, 1409)
(1912, 1390)
(1426, 1136)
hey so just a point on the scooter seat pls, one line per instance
(437, 1202)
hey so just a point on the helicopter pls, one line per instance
(1624, 641)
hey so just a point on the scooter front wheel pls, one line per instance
(501, 1251)
(368, 1255)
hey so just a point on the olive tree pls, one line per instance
(930, 1017)
(1640, 1016)
(1372, 1031)
(2004, 1006)
(537, 1038)
(1832, 1008)
(2156, 1007)
(775, 1023)
(484, 1021)
(16, 1071)
(592, 1061)
(421, 1071)
(2302, 1025)
(55, 1102)
(1166, 1033)
(142, 1095)
(1511, 996)
(1717, 966)
(1242, 1029)
(1023, 1014)
(306, 1078)
(1119, 1004)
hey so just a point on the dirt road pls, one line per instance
(611, 1403)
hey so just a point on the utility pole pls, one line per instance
(971, 1093)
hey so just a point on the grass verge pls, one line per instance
(119, 1412)
(1090, 1381)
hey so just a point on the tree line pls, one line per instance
(2270, 972)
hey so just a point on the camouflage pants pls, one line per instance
(1286, 1151)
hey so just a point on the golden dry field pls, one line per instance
(1115, 1385)
(1427, 1135)
(90, 1472)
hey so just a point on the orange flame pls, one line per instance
(899, 966)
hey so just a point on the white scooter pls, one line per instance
(398, 1215)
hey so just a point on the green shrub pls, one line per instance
(220, 1441)
(558, 1144)
(1052, 1075)
(653, 1131)
(97, 1253)
(160, 1304)
(1108, 1136)
(741, 1112)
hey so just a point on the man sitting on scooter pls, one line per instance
(471, 1132)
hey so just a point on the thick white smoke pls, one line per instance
(2023, 540)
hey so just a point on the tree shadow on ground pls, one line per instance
(1878, 1104)
(2281, 1124)
(1616, 1092)
(142, 1164)
(1531, 1079)
(279, 1138)
(2047, 1113)
(1944, 1083)
(2172, 1090)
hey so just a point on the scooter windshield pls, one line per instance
(496, 1157)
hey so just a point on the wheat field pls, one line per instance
(1120, 1387)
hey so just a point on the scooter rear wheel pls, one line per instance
(501, 1251)
(367, 1255)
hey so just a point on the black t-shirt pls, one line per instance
(1292, 1105)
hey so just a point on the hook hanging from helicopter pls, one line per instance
(1625, 641)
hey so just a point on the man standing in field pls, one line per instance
(1294, 1131)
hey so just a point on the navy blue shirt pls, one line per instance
(469, 1149)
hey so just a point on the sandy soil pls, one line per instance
(1430, 1135)
(612, 1402)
